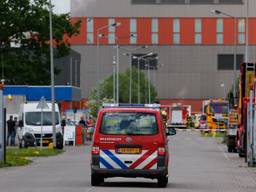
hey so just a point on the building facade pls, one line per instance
(195, 48)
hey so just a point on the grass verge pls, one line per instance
(20, 157)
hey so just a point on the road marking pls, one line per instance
(223, 153)
(90, 189)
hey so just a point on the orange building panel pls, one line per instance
(98, 23)
(229, 31)
(144, 31)
(187, 31)
(209, 31)
(252, 31)
(81, 37)
(123, 31)
(165, 31)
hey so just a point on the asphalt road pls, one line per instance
(197, 164)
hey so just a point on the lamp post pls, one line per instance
(247, 33)
(130, 74)
(98, 43)
(138, 71)
(114, 79)
(149, 79)
(52, 76)
(218, 12)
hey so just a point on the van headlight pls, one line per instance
(58, 129)
(28, 130)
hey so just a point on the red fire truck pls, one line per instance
(178, 115)
(247, 75)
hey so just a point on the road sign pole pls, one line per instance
(42, 105)
(2, 137)
(41, 143)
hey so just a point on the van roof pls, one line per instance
(141, 110)
(32, 106)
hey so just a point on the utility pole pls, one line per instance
(52, 76)
(2, 131)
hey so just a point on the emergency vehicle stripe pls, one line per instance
(147, 161)
(105, 163)
(141, 159)
(115, 159)
(148, 166)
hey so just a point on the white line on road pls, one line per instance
(90, 189)
(223, 153)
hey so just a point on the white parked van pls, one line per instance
(33, 126)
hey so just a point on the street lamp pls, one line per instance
(114, 79)
(138, 71)
(149, 79)
(52, 76)
(98, 66)
(218, 12)
(130, 78)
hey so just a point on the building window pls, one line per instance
(241, 31)
(219, 31)
(90, 30)
(176, 31)
(133, 31)
(198, 31)
(226, 61)
(154, 31)
(154, 25)
(111, 31)
(154, 38)
(111, 38)
(198, 38)
(133, 25)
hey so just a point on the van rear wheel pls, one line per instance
(96, 180)
(162, 181)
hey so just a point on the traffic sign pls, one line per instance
(42, 104)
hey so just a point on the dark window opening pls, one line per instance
(226, 61)
(231, 1)
(153, 2)
(201, 1)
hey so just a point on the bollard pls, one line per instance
(214, 133)
(50, 146)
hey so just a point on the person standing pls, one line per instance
(11, 131)
(82, 122)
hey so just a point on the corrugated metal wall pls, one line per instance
(187, 71)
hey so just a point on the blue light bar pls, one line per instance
(127, 105)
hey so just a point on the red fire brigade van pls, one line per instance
(130, 142)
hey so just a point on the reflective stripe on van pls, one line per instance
(147, 159)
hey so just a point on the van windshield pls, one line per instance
(129, 123)
(34, 118)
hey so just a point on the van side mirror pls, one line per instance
(171, 131)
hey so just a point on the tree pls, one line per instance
(24, 40)
(106, 87)
(106, 90)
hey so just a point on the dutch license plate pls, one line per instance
(129, 150)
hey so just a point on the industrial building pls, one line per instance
(195, 47)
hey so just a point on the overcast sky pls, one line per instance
(61, 6)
